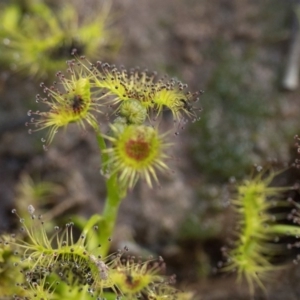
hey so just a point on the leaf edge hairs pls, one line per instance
(76, 104)
(136, 151)
(152, 92)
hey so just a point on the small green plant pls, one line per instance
(133, 148)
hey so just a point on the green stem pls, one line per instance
(115, 194)
(110, 213)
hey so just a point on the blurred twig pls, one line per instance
(291, 74)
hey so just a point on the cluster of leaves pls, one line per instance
(137, 97)
(36, 266)
(61, 266)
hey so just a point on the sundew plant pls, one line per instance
(262, 224)
(132, 148)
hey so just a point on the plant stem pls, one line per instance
(114, 196)
(110, 212)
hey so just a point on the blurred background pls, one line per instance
(242, 53)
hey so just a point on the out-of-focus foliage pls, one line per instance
(38, 39)
(234, 111)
